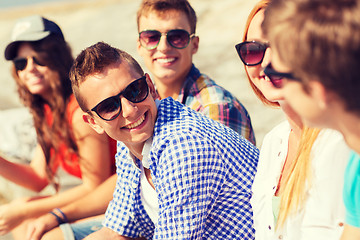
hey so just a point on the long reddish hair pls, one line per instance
(257, 8)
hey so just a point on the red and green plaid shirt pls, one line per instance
(202, 94)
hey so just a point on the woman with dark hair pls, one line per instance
(41, 63)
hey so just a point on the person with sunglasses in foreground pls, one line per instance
(324, 60)
(298, 184)
(41, 63)
(181, 175)
(167, 43)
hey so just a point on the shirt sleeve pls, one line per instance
(120, 214)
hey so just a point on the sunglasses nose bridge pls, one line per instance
(266, 58)
(30, 64)
(163, 42)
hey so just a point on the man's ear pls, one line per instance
(139, 47)
(91, 121)
(320, 94)
(153, 92)
(195, 44)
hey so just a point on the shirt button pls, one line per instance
(341, 224)
(279, 154)
(269, 227)
(280, 236)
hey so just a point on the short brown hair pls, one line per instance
(96, 59)
(319, 40)
(163, 6)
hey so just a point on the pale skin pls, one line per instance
(257, 76)
(93, 149)
(140, 116)
(108, 234)
(350, 233)
(40, 228)
(318, 106)
(256, 73)
(169, 66)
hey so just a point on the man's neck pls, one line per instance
(293, 118)
(168, 90)
(136, 150)
(349, 126)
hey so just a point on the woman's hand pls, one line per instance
(11, 215)
(40, 226)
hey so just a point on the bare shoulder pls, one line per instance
(80, 127)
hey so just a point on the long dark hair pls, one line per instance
(56, 54)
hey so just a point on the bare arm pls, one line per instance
(31, 176)
(350, 233)
(108, 234)
(76, 210)
(94, 206)
(95, 168)
(94, 163)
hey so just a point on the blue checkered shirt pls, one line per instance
(202, 172)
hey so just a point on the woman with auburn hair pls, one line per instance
(41, 63)
(298, 185)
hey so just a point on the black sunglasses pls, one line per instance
(278, 78)
(21, 63)
(251, 53)
(135, 92)
(177, 38)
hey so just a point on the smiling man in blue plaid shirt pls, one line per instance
(181, 175)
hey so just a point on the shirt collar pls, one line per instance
(147, 145)
(145, 153)
(191, 78)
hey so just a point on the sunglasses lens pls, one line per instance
(20, 64)
(149, 39)
(251, 53)
(178, 38)
(40, 63)
(109, 108)
(137, 91)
